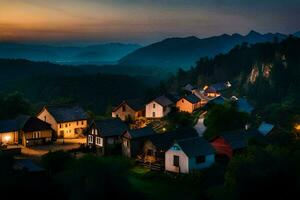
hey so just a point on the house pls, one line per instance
(34, 131)
(155, 146)
(188, 103)
(188, 155)
(265, 128)
(104, 134)
(158, 107)
(229, 143)
(188, 87)
(244, 106)
(129, 109)
(66, 121)
(210, 91)
(9, 132)
(133, 140)
(25, 130)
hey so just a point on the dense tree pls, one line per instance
(222, 118)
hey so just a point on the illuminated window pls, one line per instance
(99, 141)
(90, 139)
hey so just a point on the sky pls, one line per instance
(141, 21)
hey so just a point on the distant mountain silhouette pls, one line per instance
(103, 53)
(184, 52)
(297, 34)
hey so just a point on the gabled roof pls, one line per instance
(265, 128)
(163, 101)
(111, 127)
(135, 104)
(210, 89)
(8, 126)
(67, 113)
(194, 147)
(236, 139)
(35, 124)
(192, 98)
(219, 86)
(188, 87)
(220, 100)
(165, 141)
(141, 133)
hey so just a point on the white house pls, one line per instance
(188, 155)
(159, 107)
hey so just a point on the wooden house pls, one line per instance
(188, 155)
(66, 121)
(158, 107)
(104, 135)
(129, 110)
(188, 103)
(155, 146)
(34, 131)
(133, 140)
(9, 132)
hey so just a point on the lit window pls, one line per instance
(96, 131)
(90, 139)
(99, 141)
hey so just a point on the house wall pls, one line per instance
(63, 130)
(9, 137)
(158, 110)
(123, 115)
(222, 147)
(149, 146)
(183, 161)
(209, 160)
(126, 147)
(71, 129)
(47, 117)
(43, 136)
(185, 106)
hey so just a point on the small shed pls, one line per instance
(188, 155)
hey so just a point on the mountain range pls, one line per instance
(184, 52)
(95, 54)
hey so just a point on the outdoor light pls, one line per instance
(297, 127)
(7, 138)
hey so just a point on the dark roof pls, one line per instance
(8, 126)
(165, 141)
(192, 98)
(193, 147)
(210, 89)
(35, 124)
(163, 101)
(67, 113)
(142, 133)
(136, 104)
(244, 105)
(111, 127)
(236, 139)
(265, 128)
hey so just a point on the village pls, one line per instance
(136, 130)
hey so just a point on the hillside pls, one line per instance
(95, 54)
(184, 52)
(44, 83)
(266, 73)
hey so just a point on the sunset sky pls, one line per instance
(141, 21)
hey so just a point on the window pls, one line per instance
(99, 141)
(126, 143)
(123, 108)
(176, 161)
(154, 105)
(66, 125)
(35, 135)
(200, 159)
(77, 123)
(149, 152)
(90, 139)
(153, 114)
(96, 131)
(59, 125)
(93, 131)
(45, 118)
(82, 122)
(182, 101)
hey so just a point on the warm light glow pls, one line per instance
(205, 87)
(7, 138)
(297, 127)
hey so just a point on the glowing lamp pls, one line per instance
(7, 138)
(297, 127)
